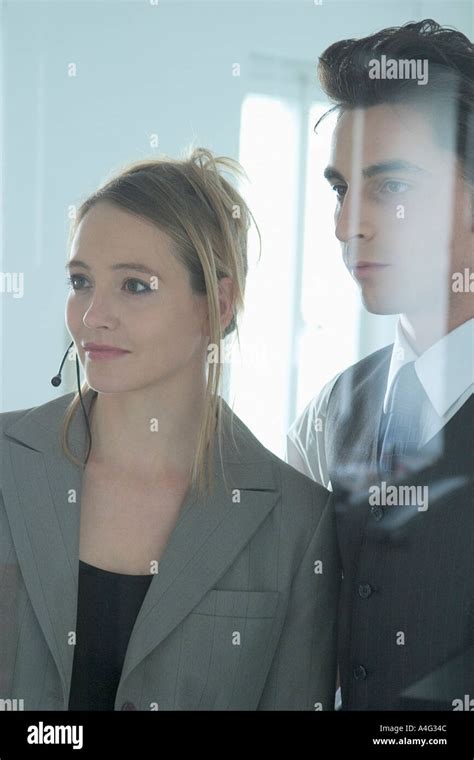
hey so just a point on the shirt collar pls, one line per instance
(445, 369)
(402, 353)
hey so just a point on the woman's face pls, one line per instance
(130, 292)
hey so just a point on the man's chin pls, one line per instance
(379, 303)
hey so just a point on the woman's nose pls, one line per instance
(100, 312)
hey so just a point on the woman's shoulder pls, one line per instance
(294, 485)
(300, 494)
(42, 414)
(304, 511)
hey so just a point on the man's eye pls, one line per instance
(394, 186)
(340, 190)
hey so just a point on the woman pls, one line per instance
(156, 555)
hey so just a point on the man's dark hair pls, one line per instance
(343, 71)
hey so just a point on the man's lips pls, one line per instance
(361, 268)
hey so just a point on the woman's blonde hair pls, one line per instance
(208, 220)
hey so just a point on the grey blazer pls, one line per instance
(258, 558)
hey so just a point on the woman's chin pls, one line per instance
(101, 385)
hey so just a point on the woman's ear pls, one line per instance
(226, 305)
(226, 301)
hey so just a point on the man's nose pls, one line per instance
(352, 219)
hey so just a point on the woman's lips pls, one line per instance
(109, 353)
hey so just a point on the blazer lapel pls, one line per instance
(41, 490)
(42, 493)
(209, 535)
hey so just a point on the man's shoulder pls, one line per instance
(317, 407)
(372, 369)
(376, 360)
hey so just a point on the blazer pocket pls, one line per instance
(224, 642)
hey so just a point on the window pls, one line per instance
(301, 317)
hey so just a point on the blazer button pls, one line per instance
(128, 706)
(377, 512)
(359, 673)
(365, 590)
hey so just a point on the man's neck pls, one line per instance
(423, 329)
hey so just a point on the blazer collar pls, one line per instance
(42, 494)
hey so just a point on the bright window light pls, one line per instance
(300, 324)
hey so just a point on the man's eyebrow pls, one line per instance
(134, 265)
(331, 173)
(397, 165)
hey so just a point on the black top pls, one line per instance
(108, 604)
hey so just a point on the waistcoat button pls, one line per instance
(359, 673)
(365, 590)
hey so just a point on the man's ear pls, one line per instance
(470, 203)
(469, 185)
(466, 200)
(472, 208)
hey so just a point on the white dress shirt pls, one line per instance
(445, 370)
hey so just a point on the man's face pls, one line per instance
(403, 211)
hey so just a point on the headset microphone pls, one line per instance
(57, 380)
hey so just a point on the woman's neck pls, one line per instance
(136, 432)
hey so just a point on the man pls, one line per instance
(393, 435)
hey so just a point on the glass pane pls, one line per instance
(329, 300)
(269, 149)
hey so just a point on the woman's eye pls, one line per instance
(394, 186)
(141, 284)
(71, 280)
